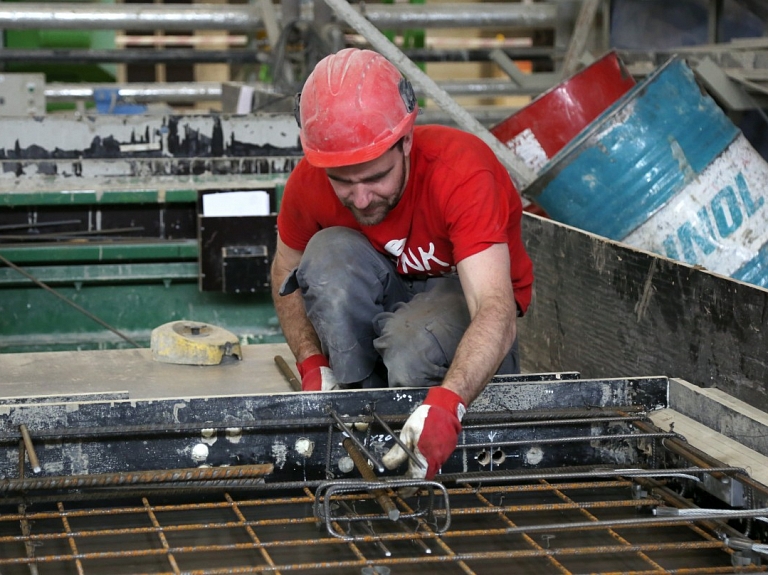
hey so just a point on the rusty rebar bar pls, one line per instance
(34, 462)
(655, 521)
(552, 422)
(433, 560)
(348, 432)
(571, 439)
(593, 473)
(287, 372)
(240, 472)
(68, 301)
(385, 501)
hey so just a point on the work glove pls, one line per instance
(431, 432)
(316, 374)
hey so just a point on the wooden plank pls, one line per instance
(719, 446)
(607, 310)
(721, 413)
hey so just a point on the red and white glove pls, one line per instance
(431, 432)
(316, 374)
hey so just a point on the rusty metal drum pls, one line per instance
(664, 169)
(539, 130)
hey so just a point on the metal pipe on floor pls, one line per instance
(288, 374)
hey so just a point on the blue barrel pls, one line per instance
(664, 169)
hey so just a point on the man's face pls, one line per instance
(372, 189)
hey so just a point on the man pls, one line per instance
(397, 252)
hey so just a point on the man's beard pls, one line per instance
(377, 211)
(373, 214)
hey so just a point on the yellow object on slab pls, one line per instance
(193, 343)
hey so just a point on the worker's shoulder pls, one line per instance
(449, 133)
(453, 147)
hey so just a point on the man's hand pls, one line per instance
(431, 432)
(316, 374)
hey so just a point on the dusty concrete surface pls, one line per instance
(134, 371)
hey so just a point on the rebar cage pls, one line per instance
(552, 474)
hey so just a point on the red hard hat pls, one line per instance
(355, 105)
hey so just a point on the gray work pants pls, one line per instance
(376, 326)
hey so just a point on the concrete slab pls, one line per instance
(135, 372)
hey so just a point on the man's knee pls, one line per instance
(411, 353)
(334, 244)
(406, 368)
(328, 258)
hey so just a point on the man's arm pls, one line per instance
(485, 280)
(297, 329)
(432, 430)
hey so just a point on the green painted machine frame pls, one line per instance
(102, 223)
(132, 286)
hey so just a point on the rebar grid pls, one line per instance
(593, 518)
(239, 534)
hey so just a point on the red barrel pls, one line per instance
(542, 128)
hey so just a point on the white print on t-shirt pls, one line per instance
(410, 262)
(395, 247)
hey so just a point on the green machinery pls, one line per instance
(105, 233)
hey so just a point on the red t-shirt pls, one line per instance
(459, 200)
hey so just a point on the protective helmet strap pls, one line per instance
(297, 108)
(407, 94)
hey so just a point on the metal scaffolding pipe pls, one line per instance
(479, 15)
(132, 56)
(489, 87)
(487, 115)
(22, 16)
(190, 92)
(150, 92)
(247, 17)
(203, 56)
